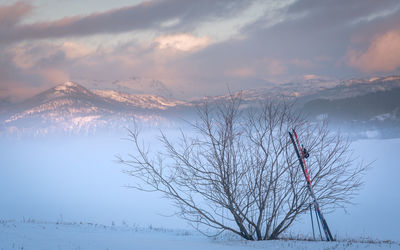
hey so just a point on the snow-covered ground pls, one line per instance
(52, 236)
(69, 179)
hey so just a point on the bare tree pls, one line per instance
(237, 171)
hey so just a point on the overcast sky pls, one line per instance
(194, 47)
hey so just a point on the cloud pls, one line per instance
(16, 82)
(308, 77)
(159, 15)
(178, 42)
(382, 55)
(75, 50)
(12, 14)
(312, 30)
(37, 55)
(28, 69)
(182, 42)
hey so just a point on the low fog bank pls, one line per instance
(374, 213)
(355, 130)
(77, 178)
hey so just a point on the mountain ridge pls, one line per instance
(70, 107)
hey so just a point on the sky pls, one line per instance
(194, 47)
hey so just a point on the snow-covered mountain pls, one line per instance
(322, 88)
(357, 87)
(72, 108)
(360, 106)
(143, 101)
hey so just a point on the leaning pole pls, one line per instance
(296, 144)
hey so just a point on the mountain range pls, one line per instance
(72, 108)
(372, 103)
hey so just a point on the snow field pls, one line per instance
(44, 235)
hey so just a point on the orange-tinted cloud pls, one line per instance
(382, 55)
(75, 50)
(182, 42)
(310, 77)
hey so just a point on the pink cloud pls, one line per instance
(182, 42)
(75, 50)
(382, 55)
(310, 77)
(12, 14)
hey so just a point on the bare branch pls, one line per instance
(237, 171)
